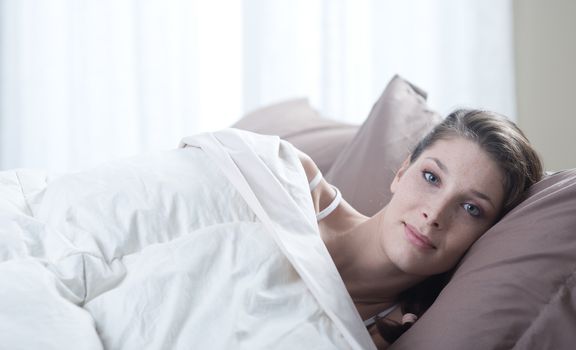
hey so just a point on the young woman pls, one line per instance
(459, 180)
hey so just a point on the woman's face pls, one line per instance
(441, 204)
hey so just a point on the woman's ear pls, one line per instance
(399, 174)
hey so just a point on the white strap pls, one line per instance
(384, 313)
(330, 208)
(315, 181)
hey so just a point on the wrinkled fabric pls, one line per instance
(210, 246)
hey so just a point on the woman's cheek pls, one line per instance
(461, 242)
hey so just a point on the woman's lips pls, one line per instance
(416, 238)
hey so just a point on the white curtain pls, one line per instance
(84, 81)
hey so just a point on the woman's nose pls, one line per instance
(431, 220)
(435, 214)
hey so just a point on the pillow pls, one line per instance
(516, 286)
(298, 123)
(364, 170)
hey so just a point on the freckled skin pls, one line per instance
(442, 205)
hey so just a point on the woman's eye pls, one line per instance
(472, 209)
(431, 178)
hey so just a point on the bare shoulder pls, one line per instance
(308, 164)
(343, 216)
(322, 192)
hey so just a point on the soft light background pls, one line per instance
(84, 81)
(545, 69)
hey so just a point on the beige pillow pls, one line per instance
(365, 168)
(516, 287)
(300, 124)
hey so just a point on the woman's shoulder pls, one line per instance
(321, 191)
(341, 216)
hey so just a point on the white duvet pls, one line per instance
(210, 246)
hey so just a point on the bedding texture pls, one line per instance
(210, 246)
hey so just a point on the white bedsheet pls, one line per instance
(213, 246)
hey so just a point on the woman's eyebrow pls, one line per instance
(439, 163)
(484, 197)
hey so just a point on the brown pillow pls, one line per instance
(365, 168)
(298, 123)
(516, 287)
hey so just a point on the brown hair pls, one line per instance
(505, 143)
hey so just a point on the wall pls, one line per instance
(545, 55)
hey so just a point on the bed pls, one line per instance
(120, 257)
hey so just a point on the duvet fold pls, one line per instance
(213, 245)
